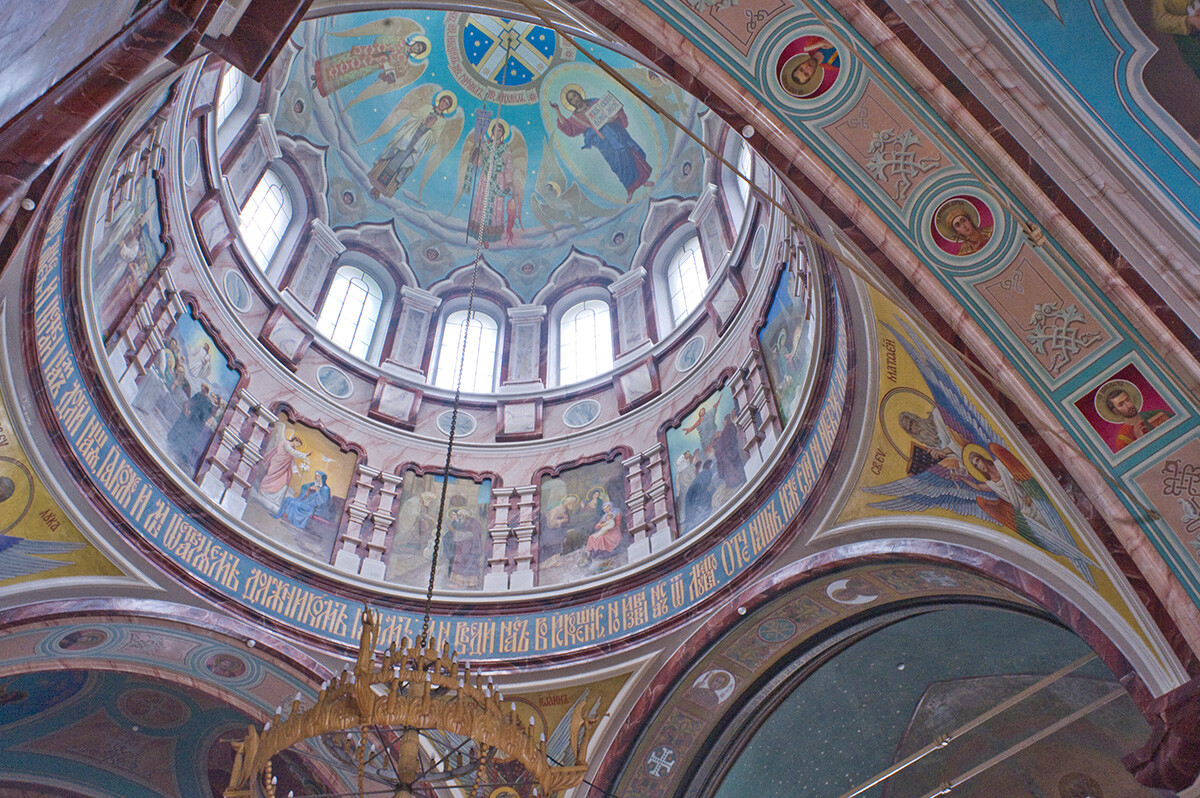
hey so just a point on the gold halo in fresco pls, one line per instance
(1114, 387)
(895, 402)
(570, 87)
(16, 492)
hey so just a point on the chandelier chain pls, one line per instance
(492, 150)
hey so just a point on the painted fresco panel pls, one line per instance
(37, 539)
(738, 21)
(572, 154)
(708, 463)
(879, 137)
(936, 451)
(127, 247)
(1125, 409)
(185, 391)
(786, 341)
(464, 532)
(299, 488)
(581, 530)
(1173, 74)
(1058, 329)
(1172, 484)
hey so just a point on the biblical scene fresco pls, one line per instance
(185, 391)
(299, 488)
(1125, 408)
(937, 452)
(37, 539)
(474, 128)
(582, 529)
(127, 244)
(464, 532)
(1173, 75)
(708, 463)
(786, 342)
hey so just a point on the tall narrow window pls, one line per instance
(584, 342)
(351, 310)
(745, 166)
(479, 360)
(266, 217)
(687, 279)
(233, 86)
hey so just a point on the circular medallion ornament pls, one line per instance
(466, 423)
(82, 639)
(808, 67)
(962, 225)
(153, 709)
(582, 413)
(225, 666)
(759, 248)
(502, 60)
(191, 161)
(335, 382)
(776, 630)
(237, 291)
(690, 354)
(1109, 396)
(16, 492)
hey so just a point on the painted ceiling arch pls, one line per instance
(944, 219)
(1047, 309)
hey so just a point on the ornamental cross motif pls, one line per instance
(712, 5)
(660, 761)
(892, 156)
(1056, 334)
(1182, 480)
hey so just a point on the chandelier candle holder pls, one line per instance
(413, 689)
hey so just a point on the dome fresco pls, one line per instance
(881, 437)
(288, 440)
(413, 109)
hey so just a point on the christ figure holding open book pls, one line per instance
(605, 127)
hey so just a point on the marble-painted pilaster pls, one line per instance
(417, 307)
(525, 324)
(313, 265)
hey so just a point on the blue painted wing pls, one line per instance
(959, 412)
(929, 490)
(21, 557)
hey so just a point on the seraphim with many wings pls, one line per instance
(959, 463)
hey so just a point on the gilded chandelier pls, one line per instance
(413, 688)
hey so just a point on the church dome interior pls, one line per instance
(609, 398)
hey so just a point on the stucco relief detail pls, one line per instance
(1173, 487)
(880, 138)
(738, 21)
(1044, 315)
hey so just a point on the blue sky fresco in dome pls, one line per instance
(405, 107)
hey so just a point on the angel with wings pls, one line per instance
(557, 201)
(397, 57)
(492, 168)
(996, 487)
(428, 122)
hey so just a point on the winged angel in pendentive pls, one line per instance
(959, 462)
